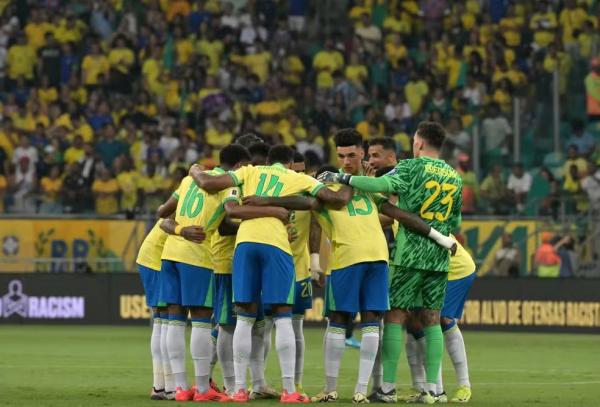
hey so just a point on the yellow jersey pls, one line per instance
(196, 207)
(222, 248)
(356, 233)
(300, 221)
(152, 247)
(270, 180)
(461, 264)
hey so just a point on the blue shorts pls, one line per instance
(303, 296)
(223, 300)
(359, 287)
(262, 271)
(150, 282)
(457, 292)
(186, 285)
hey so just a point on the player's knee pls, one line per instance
(281, 309)
(430, 317)
(175, 309)
(370, 316)
(341, 318)
(200, 312)
(447, 323)
(246, 308)
(396, 316)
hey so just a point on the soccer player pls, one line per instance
(187, 276)
(358, 281)
(263, 263)
(461, 275)
(382, 153)
(427, 186)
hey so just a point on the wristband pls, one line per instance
(345, 179)
(178, 230)
(315, 261)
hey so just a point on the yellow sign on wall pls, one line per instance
(483, 238)
(59, 245)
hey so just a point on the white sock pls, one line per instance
(257, 356)
(455, 344)
(214, 358)
(242, 348)
(157, 364)
(166, 362)
(335, 343)
(285, 344)
(439, 386)
(415, 354)
(225, 353)
(201, 350)
(176, 349)
(267, 337)
(368, 352)
(377, 375)
(297, 324)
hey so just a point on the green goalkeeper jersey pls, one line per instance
(433, 190)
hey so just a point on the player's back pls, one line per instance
(356, 233)
(461, 264)
(152, 247)
(195, 207)
(272, 181)
(431, 189)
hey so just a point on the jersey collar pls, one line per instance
(279, 165)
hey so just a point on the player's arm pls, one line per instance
(292, 202)
(245, 212)
(168, 208)
(335, 199)
(385, 221)
(211, 183)
(194, 234)
(228, 227)
(366, 184)
(417, 225)
(314, 247)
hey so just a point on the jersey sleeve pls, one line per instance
(399, 178)
(240, 174)
(231, 195)
(308, 184)
(176, 193)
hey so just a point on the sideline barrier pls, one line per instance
(532, 305)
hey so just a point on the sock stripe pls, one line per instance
(250, 318)
(297, 317)
(177, 320)
(335, 325)
(367, 324)
(156, 315)
(198, 324)
(336, 330)
(370, 330)
(283, 315)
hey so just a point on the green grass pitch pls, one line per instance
(110, 366)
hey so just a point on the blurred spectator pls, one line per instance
(75, 153)
(581, 139)
(569, 261)
(592, 88)
(494, 190)
(50, 60)
(546, 260)
(106, 190)
(590, 184)
(128, 180)
(572, 185)
(109, 148)
(507, 259)
(519, 184)
(25, 150)
(549, 192)
(74, 190)
(470, 189)
(3, 188)
(23, 186)
(51, 187)
(496, 131)
(457, 142)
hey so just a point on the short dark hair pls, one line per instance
(433, 133)
(347, 138)
(259, 149)
(280, 154)
(384, 170)
(248, 139)
(387, 143)
(326, 168)
(298, 157)
(233, 154)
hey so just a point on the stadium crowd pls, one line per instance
(103, 102)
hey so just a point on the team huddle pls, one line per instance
(237, 249)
